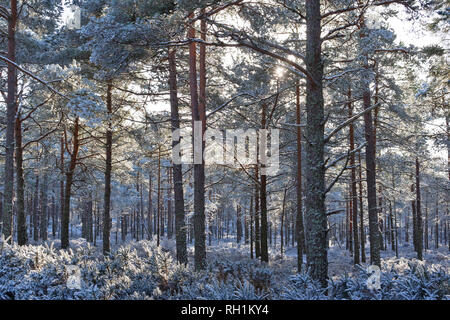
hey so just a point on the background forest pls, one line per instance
(94, 91)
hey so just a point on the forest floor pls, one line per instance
(141, 270)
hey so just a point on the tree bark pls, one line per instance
(198, 114)
(414, 219)
(353, 194)
(22, 237)
(374, 231)
(263, 190)
(256, 216)
(369, 132)
(44, 208)
(68, 187)
(361, 212)
(316, 220)
(418, 213)
(108, 169)
(238, 224)
(61, 185)
(282, 222)
(36, 210)
(158, 222)
(299, 229)
(11, 107)
(149, 208)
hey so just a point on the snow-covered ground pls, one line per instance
(141, 270)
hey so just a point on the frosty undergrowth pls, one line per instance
(144, 271)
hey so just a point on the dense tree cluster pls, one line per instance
(88, 115)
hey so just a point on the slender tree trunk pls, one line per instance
(353, 194)
(374, 230)
(108, 169)
(11, 107)
(381, 221)
(22, 238)
(180, 226)
(198, 114)
(44, 208)
(36, 210)
(361, 212)
(299, 229)
(257, 219)
(395, 213)
(54, 216)
(418, 213)
(246, 226)
(89, 220)
(238, 224)
(169, 206)
(390, 234)
(149, 207)
(69, 180)
(436, 225)
(414, 219)
(61, 185)
(263, 189)
(282, 222)
(158, 232)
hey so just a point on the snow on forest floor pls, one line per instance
(141, 270)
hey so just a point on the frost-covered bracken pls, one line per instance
(145, 271)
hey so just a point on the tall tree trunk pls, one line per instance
(374, 230)
(69, 180)
(169, 205)
(316, 219)
(436, 225)
(391, 223)
(361, 212)
(61, 184)
(36, 210)
(108, 169)
(149, 207)
(54, 216)
(238, 224)
(353, 194)
(418, 213)
(11, 107)
(246, 227)
(89, 220)
(282, 221)
(198, 114)
(414, 219)
(44, 208)
(299, 229)
(256, 216)
(180, 225)
(158, 221)
(263, 189)
(22, 237)
(381, 221)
